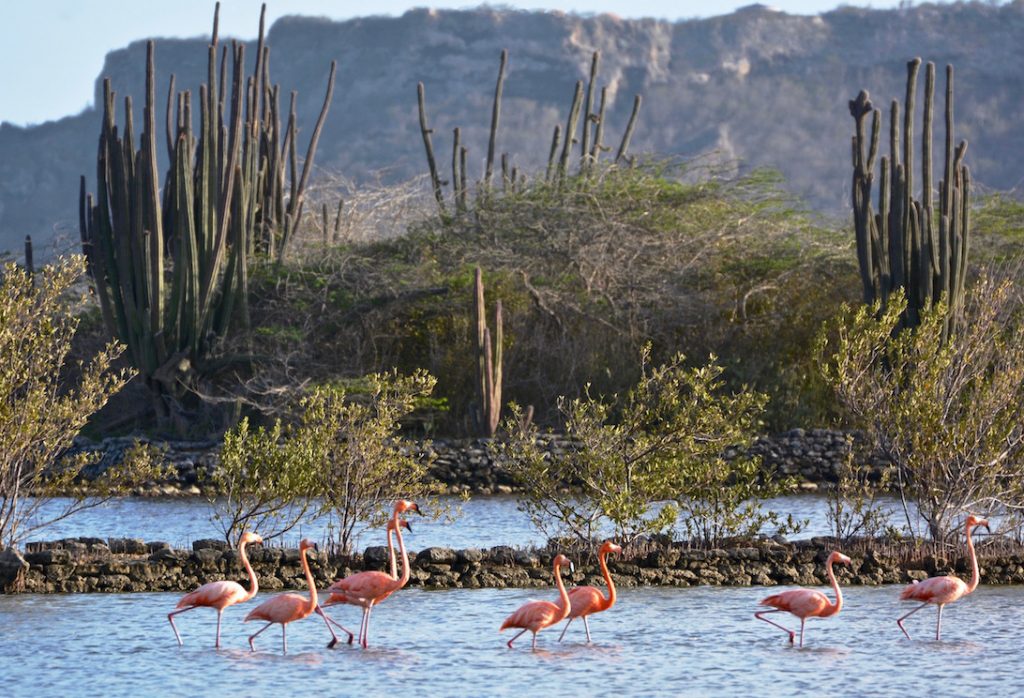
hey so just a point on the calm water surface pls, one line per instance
(483, 522)
(692, 642)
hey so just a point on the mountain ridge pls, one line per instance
(764, 87)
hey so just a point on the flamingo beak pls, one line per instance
(416, 507)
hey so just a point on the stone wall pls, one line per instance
(124, 565)
(464, 465)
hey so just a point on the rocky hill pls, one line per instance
(763, 87)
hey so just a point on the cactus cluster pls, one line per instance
(916, 244)
(560, 155)
(171, 268)
(489, 355)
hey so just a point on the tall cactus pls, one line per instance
(489, 355)
(590, 143)
(171, 271)
(910, 244)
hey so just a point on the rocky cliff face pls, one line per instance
(766, 88)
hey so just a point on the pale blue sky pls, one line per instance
(51, 51)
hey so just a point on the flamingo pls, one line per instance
(586, 600)
(806, 603)
(341, 598)
(369, 588)
(286, 608)
(537, 615)
(221, 594)
(943, 590)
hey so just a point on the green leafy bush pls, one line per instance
(43, 406)
(640, 460)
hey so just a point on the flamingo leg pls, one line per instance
(516, 637)
(330, 621)
(284, 638)
(938, 624)
(567, 623)
(533, 646)
(253, 636)
(334, 638)
(900, 620)
(366, 631)
(362, 626)
(803, 621)
(170, 617)
(586, 625)
(220, 612)
(760, 616)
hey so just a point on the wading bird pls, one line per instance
(287, 608)
(806, 603)
(220, 595)
(369, 588)
(586, 600)
(943, 590)
(537, 615)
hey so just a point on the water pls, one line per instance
(483, 522)
(694, 642)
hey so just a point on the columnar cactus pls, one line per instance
(489, 355)
(910, 244)
(564, 146)
(171, 272)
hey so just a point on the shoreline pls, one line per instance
(813, 457)
(115, 565)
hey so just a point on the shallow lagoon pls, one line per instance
(696, 641)
(482, 523)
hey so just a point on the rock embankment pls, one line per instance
(127, 564)
(813, 457)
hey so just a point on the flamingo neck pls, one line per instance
(391, 555)
(311, 606)
(563, 595)
(609, 600)
(401, 581)
(254, 584)
(838, 605)
(975, 572)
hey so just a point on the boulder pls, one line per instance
(375, 557)
(127, 546)
(210, 544)
(469, 555)
(52, 556)
(436, 556)
(13, 568)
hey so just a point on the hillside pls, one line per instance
(766, 88)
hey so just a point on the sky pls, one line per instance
(51, 51)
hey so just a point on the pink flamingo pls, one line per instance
(537, 615)
(222, 594)
(369, 588)
(943, 590)
(286, 608)
(586, 600)
(806, 603)
(343, 598)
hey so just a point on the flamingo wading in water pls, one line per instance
(943, 590)
(369, 588)
(586, 600)
(537, 615)
(287, 608)
(221, 594)
(806, 603)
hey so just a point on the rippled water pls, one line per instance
(483, 522)
(696, 641)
